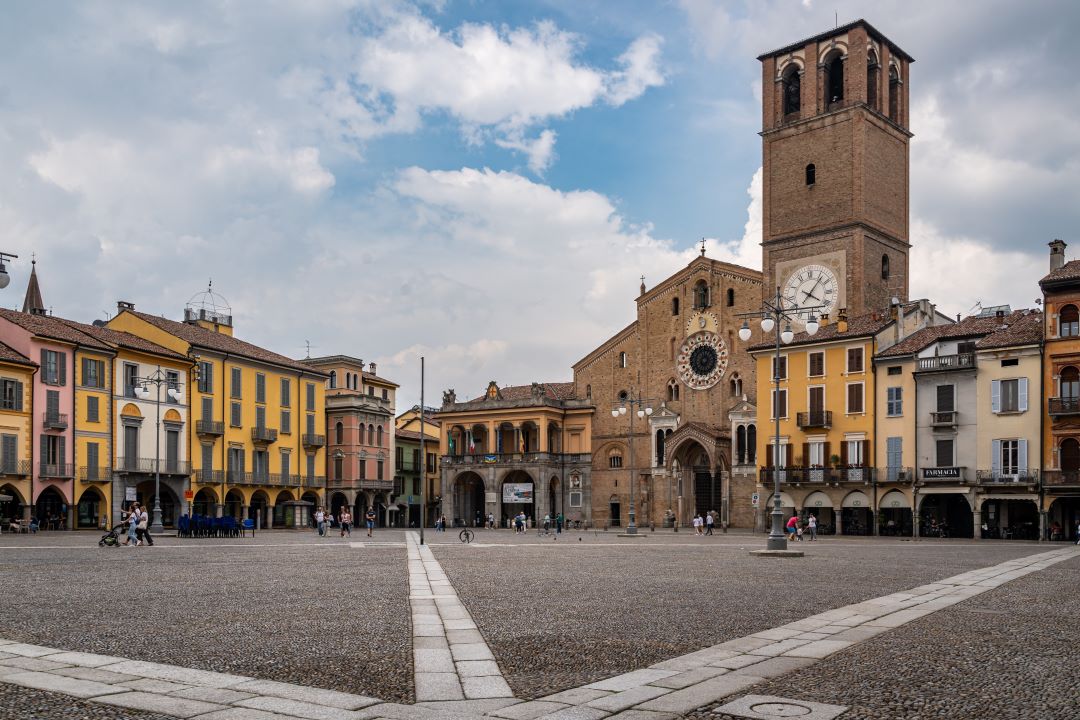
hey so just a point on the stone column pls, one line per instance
(976, 524)
(839, 514)
(219, 509)
(269, 517)
(244, 511)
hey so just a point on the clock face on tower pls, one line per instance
(812, 285)
(702, 360)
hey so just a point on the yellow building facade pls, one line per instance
(94, 412)
(259, 435)
(16, 416)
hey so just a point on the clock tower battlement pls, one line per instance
(835, 157)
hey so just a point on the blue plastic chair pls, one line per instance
(249, 524)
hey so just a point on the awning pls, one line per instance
(894, 499)
(856, 499)
(817, 499)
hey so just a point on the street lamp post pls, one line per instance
(643, 411)
(4, 277)
(772, 312)
(157, 379)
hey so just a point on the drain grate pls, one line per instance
(768, 707)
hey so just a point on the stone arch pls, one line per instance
(234, 503)
(91, 509)
(172, 416)
(284, 496)
(791, 88)
(131, 410)
(467, 498)
(258, 508)
(205, 502)
(833, 72)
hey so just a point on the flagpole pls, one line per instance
(423, 458)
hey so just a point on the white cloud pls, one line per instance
(641, 70)
(745, 251)
(540, 151)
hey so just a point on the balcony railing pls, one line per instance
(1063, 406)
(945, 418)
(56, 470)
(313, 480)
(509, 458)
(1061, 478)
(15, 467)
(814, 419)
(263, 434)
(54, 421)
(1002, 477)
(209, 427)
(358, 484)
(210, 477)
(311, 440)
(960, 361)
(149, 466)
(822, 475)
(895, 474)
(95, 473)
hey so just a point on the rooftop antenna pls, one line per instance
(307, 344)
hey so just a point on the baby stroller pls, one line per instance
(112, 538)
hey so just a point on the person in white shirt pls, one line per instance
(320, 521)
(811, 525)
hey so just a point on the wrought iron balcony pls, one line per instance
(54, 421)
(1061, 478)
(960, 361)
(945, 418)
(263, 435)
(1063, 406)
(796, 475)
(895, 474)
(95, 473)
(209, 427)
(1001, 477)
(56, 470)
(313, 441)
(316, 481)
(516, 458)
(149, 466)
(814, 419)
(210, 477)
(15, 467)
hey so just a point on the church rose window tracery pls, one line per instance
(703, 360)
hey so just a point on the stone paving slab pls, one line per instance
(32, 663)
(152, 702)
(173, 673)
(315, 696)
(58, 683)
(85, 659)
(298, 709)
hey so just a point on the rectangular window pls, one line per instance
(173, 383)
(260, 417)
(855, 360)
(131, 379)
(235, 416)
(260, 388)
(339, 465)
(431, 462)
(1010, 457)
(779, 404)
(416, 459)
(286, 422)
(416, 486)
(310, 391)
(9, 453)
(131, 447)
(894, 404)
(944, 454)
(379, 470)
(371, 390)
(385, 394)
(52, 405)
(399, 457)
(946, 398)
(53, 367)
(816, 363)
(311, 466)
(363, 468)
(780, 370)
(894, 457)
(93, 373)
(11, 395)
(310, 424)
(93, 471)
(1008, 396)
(235, 388)
(895, 370)
(855, 398)
(286, 464)
(817, 402)
(1011, 362)
(172, 450)
(207, 459)
(206, 377)
(207, 409)
(816, 454)
(92, 412)
(286, 391)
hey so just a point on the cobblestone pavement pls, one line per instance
(559, 614)
(285, 606)
(21, 702)
(1010, 653)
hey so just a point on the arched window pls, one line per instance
(370, 434)
(348, 380)
(872, 72)
(339, 433)
(834, 78)
(811, 174)
(674, 306)
(792, 88)
(1070, 383)
(884, 267)
(673, 390)
(731, 297)
(615, 458)
(736, 386)
(740, 445)
(378, 436)
(1070, 455)
(1069, 322)
(622, 359)
(751, 444)
(333, 379)
(659, 448)
(671, 348)
(338, 462)
(894, 94)
(588, 390)
(701, 295)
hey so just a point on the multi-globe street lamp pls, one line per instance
(644, 409)
(773, 312)
(142, 391)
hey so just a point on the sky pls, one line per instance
(483, 183)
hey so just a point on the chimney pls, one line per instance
(896, 314)
(371, 368)
(823, 320)
(122, 305)
(1057, 255)
(841, 321)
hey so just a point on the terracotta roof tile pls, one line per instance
(8, 354)
(1068, 271)
(52, 328)
(201, 337)
(969, 327)
(556, 391)
(1025, 328)
(861, 326)
(415, 434)
(125, 340)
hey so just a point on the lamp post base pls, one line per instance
(778, 553)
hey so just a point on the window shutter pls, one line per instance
(61, 368)
(45, 366)
(825, 453)
(770, 450)
(1021, 455)
(207, 408)
(995, 396)
(18, 395)
(92, 458)
(843, 453)
(806, 453)
(52, 403)
(61, 455)
(995, 457)
(864, 452)
(945, 398)
(44, 451)
(1023, 395)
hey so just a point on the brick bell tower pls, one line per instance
(835, 144)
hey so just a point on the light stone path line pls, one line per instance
(675, 687)
(451, 660)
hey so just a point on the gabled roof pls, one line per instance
(11, 355)
(52, 328)
(219, 342)
(866, 325)
(1024, 330)
(555, 391)
(125, 340)
(32, 301)
(1067, 272)
(969, 327)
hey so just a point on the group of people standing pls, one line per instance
(344, 521)
(138, 524)
(796, 527)
(704, 525)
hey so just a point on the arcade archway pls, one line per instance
(468, 490)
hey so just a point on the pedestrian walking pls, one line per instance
(320, 521)
(811, 525)
(369, 520)
(346, 522)
(559, 520)
(709, 522)
(547, 524)
(144, 526)
(792, 525)
(132, 520)
(491, 521)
